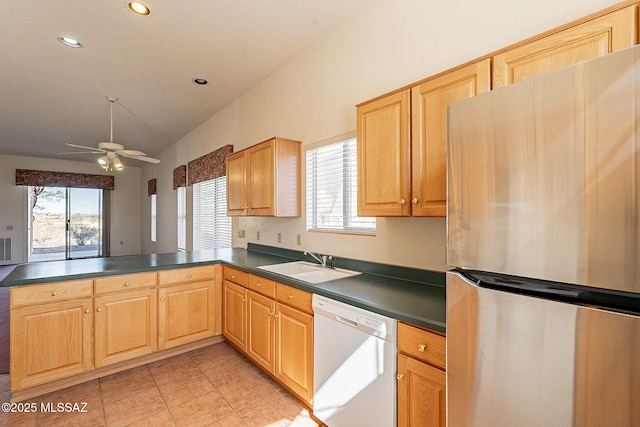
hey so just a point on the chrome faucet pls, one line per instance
(325, 260)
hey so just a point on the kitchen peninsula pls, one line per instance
(416, 297)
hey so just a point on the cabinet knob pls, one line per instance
(244, 300)
(422, 347)
(189, 275)
(126, 284)
(258, 285)
(54, 293)
(414, 200)
(162, 298)
(290, 297)
(276, 316)
(270, 313)
(87, 311)
(403, 201)
(98, 309)
(233, 276)
(400, 377)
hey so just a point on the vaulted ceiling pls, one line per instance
(51, 94)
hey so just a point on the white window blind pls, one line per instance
(182, 219)
(153, 217)
(211, 225)
(332, 186)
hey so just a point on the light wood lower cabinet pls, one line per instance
(260, 330)
(125, 326)
(294, 350)
(186, 312)
(421, 378)
(234, 314)
(51, 341)
(62, 329)
(272, 324)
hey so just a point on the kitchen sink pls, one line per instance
(309, 272)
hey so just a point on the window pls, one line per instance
(153, 217)
(332, 186)
(182, 219)
(211, 225)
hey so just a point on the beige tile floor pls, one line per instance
(212, 386)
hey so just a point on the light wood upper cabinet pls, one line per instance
(384, 166)
(429, 102)
(53, 340)
(264, 180)
(597, 37)
(402, 140)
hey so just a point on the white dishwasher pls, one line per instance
(354, 365)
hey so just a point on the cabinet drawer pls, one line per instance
(262, 286)
(236, 276)
(22, 296)
(186, 275)
(421, 344)
(125, 282)
(294, 297)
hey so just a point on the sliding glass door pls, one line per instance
(84, 223)
(66, 223)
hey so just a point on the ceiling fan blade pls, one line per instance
(130, 153)
(81, 152)
(143, 158)
(98, 150)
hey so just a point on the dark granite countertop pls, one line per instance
(410, 295)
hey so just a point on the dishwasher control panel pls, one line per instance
(373, 323)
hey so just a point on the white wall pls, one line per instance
(385, 46)
(125, 203)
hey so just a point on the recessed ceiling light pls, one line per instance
(139, 8)
(200, 81)
(69, 41)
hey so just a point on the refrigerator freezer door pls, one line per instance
(515, 360)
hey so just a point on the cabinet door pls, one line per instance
(591, 39)
(125, 326)
(49, 342)
(294, 350)
(234, 313)
(421, 394)
(260, 178)
(429, 102)
(236, 185)
(260, 340)
(384, 157)
(186, 313)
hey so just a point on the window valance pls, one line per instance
(151, 186)
(63, 179)
(180, 176)
(209, 166)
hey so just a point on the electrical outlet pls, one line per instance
(299, 239)
(258, 235)
(279, 237)
(9, 227)
(241, 234)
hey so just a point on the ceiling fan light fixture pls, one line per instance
(103, 161)
(138, 8)
(117, 164)
(70, 42)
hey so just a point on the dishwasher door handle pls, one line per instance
(346, 321)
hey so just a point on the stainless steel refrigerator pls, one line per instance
(543, 225)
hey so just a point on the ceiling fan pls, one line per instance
(110, 160)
